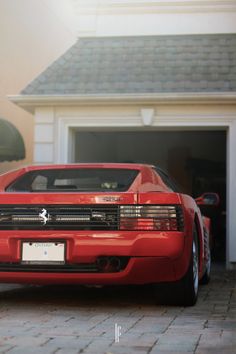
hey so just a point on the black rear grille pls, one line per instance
(90, 217)
(62, 217)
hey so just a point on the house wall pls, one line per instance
(30, 33)
(33, 34)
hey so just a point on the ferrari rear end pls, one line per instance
(55, 236)
(94, 242)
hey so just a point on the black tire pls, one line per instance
(185, 291)
(190, 283)
(207, 275)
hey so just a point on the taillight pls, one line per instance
(151, 217)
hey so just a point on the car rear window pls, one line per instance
(74, 180)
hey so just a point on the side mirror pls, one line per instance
(208, 199)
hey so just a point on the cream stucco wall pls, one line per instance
(33, 33)
(36, 32)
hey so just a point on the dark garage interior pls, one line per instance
(195, 159)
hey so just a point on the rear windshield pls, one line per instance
(78, 180)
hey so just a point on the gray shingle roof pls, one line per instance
(147, 64)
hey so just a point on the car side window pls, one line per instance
(167, 180)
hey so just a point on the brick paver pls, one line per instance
(76, 319)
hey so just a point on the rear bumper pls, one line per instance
(154, 257)
(141, 270)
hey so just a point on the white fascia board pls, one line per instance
(29, 102)
(83, 7)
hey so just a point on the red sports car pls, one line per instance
(102, 223)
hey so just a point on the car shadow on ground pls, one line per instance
(74, 295)
(92, 296)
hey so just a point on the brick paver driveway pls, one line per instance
(83, 320)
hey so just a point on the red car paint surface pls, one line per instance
(151, 255)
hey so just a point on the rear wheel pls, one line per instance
(190, 282)
(185, 291)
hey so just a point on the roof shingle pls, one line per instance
(148, 64)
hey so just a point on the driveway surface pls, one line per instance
(125, 320)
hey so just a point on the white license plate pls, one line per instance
(43, 252)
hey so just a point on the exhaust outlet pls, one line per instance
(102, 263)
(115, 264)
(108, 264)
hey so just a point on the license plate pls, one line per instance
(43, 252)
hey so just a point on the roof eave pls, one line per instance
(30, 102)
